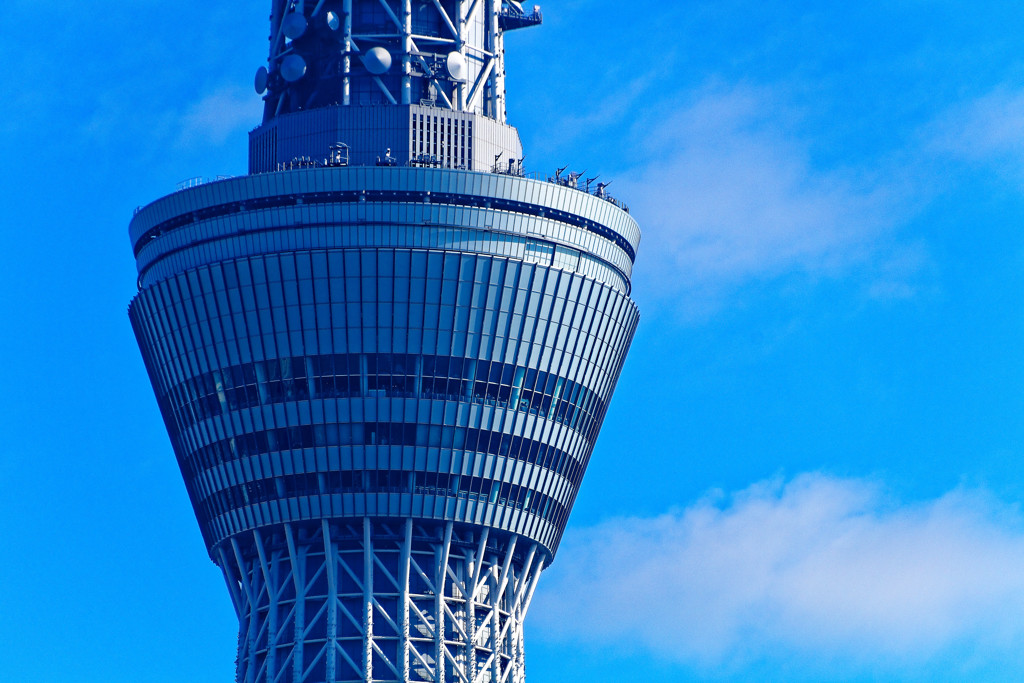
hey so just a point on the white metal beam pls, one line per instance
(331, 664)
(403, 600)
(368, 601)
(447, 20)
(459, 617)
(346, 62)
(407, 49)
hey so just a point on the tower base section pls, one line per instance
(380, 602)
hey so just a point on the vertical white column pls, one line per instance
(520, 669)
(495, 600)
(441, 574)
(297, 559)
(499, 71)
(367, 602)
(460, 46)
(502, 585)
(508, 642)
(248, 641)
(474, 570)
(406, 51)
(516, 614)
(403, 615)
(470, 619)
(272, 636)
(299, 648)
(492, 45)
(332, 603)
(346, 84)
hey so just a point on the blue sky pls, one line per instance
(812, 466)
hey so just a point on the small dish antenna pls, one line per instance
(293, 67)
(456, 65)
(260, 82)
(377, 61)
(333, 21)
(294, 25)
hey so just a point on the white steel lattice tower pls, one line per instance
(383, 356)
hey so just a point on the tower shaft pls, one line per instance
(382, 357)
(381, 601)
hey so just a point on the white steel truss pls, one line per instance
(380, 602)
(484, 90)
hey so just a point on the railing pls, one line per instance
(301, 162)
(200, 180)
(571, 181)
(512, 17)
(191, 182)
(339, 156)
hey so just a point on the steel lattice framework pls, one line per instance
(383, 357)
(472, 29)
(390, 601)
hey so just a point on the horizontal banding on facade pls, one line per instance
(284, 314)
(486, 213)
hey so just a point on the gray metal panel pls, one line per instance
(371, 130)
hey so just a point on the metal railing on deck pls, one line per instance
(338, 155)
(200, 180)
(572, 180)
(511, 17)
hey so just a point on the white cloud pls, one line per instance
(986, 129)
(729, 194)
(820, 567)
(211, 120)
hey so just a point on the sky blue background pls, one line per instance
(830, 282)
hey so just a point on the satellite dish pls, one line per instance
(377, 61)
(261, 80)
(456, 66)
(294, 25)
(293, 67)
(333, 21)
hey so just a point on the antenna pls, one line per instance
(261, 80)
(456, 66)
(294, 25)
(377, 61)
(293, 67)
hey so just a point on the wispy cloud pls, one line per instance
(218, 115)
(729, 194)
(203, 129)
(988, 129)
(826, 568)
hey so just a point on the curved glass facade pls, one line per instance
(336, 360)
(313, 366)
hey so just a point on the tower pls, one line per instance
(384, 355)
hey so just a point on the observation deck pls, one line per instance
(512, 16)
